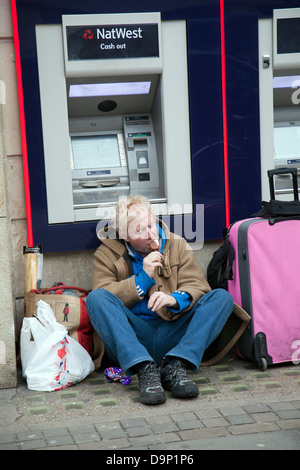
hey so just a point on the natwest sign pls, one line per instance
(119, 33)
(112, 41)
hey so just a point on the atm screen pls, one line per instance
(288, 35)
(287, 142)
(97, 151)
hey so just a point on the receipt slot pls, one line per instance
(115, 114)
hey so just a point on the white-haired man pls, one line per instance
(153, 309)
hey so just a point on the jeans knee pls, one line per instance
(224, 297)
(97, 298)
(219, 296)
(101, 293)
(93, 297)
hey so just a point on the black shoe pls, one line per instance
(174, 377)
(151, 391)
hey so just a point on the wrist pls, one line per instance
(143, 282)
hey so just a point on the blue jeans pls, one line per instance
(129, 339)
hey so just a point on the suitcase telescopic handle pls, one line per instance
(283, 171)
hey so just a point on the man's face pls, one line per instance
(141, 230)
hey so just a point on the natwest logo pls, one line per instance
(119, 33)
(88, 34)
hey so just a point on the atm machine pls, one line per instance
(115, 114)
(279, 73)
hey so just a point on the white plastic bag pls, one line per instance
(51, 360)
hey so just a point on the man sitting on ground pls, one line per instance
(151, 305)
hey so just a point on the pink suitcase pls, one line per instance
(266, 283)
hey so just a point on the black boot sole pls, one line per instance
(147, 399)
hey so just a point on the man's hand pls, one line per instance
(159, 300)
(151, 262)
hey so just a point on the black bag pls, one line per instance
(277, 211)
(219, 270)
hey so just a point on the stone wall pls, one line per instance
(9, 148)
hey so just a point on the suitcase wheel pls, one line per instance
(263, 364)
(261, 351)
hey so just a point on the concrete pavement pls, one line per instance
(239, 407)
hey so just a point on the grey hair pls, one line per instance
(124, 213)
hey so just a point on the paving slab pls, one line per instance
(236, 409)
